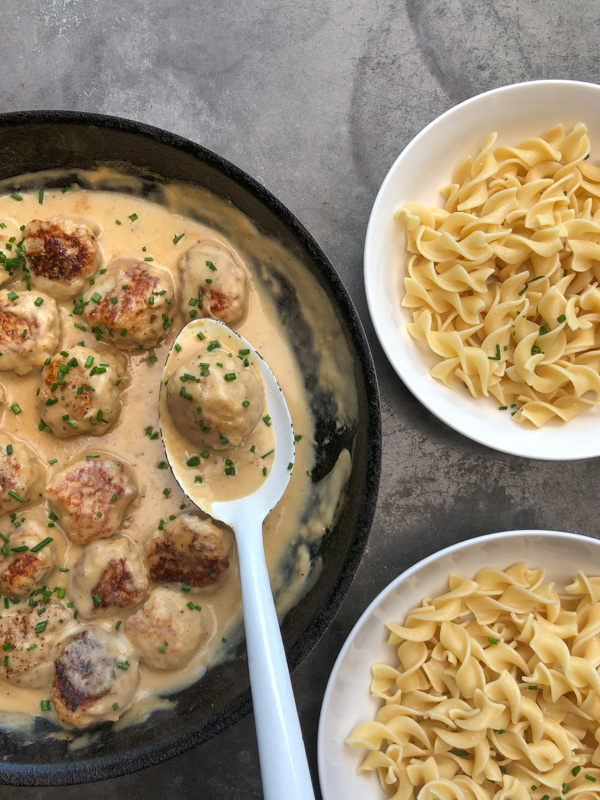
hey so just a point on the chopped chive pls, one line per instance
(211, 266)
(42, 544)
(544, 329)
(178, 237)
(15, 408)
(133, 217)
(531, 686)
(575, 771)
(9, 449)
(41, 626)
(230, 376)
(198, 479)
(41, 197)
(185, 587)
(205, 454)
(456, 752)
(497, 356)
(561, 319)
(590, 778)
(45, 705)
(19, 499)
(96, 599)
(117, 222)
(16, 196)
(492, 640)
(13, 296)
(122, 664)
(193, 461)
(267, 421)
(115, 706)
(524, 289)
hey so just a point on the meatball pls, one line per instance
(28, 644)
(80, 392)
(109, 574)
(132, 304)
(21, 473)
(190, 551)
(214, 282)
(27, 554)
(95, 677)
(29, 330)
(167, 631)
(92, 496)
(214, 400)
(62, 255)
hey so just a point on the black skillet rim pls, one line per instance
(105, 767)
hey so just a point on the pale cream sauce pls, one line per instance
(151, 235)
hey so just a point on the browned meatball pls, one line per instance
(131, 304)
(92, 496)
(80, 392)
(214, 282)
(27, 554)
(109, 574)
(21, 473)
(95, 677)
(189, 550)
(28, 643)
(29, 330)
(62, 255)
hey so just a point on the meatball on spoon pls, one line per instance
(212, 471)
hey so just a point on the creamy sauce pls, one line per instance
(163, 232)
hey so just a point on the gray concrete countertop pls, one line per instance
(316, 100)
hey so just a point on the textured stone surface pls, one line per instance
(316, 100)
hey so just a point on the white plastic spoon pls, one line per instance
(283, 763)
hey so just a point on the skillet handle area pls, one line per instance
(283, 763)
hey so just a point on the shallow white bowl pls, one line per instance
(516, 112)
(348, 700)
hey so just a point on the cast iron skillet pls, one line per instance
(40, 140)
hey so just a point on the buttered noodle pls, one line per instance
(495, 694)
(503, 282)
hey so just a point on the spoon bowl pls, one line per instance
(284, 767)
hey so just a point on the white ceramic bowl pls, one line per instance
(348, 700)
(516, 112)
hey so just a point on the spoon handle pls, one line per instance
(283, 763)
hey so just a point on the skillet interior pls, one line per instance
(37, 141)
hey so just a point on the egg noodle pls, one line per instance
(503, 282)
(496, 693)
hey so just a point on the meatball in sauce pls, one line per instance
(108, 576)
(80, 392)
(21, 474)
(95, 677)
(214, 283)
(27, 555)
(92, 496)
(132, 304)
(190, 551)
(167, 631)
(28, 640)
(62, 255)
(29, 330)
